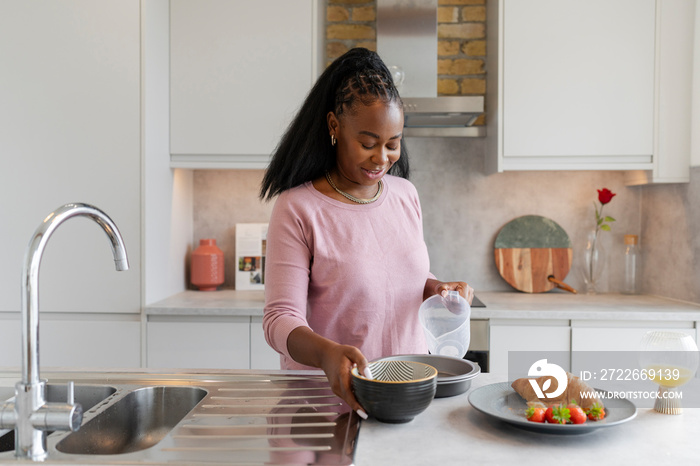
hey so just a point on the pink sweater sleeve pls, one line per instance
(287, 265)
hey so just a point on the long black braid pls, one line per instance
(305, 152)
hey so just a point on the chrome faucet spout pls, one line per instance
(30, 275)
(31, 417)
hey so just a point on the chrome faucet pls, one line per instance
(30, 415)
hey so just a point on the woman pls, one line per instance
(346, 266)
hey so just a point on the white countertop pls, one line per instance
(451, 432)
(499, 305)
(214, 303)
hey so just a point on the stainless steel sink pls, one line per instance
(201, 417)
(89, 396)
(136, 422)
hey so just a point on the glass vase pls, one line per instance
(593, 263)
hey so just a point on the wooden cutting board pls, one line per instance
(531, 249)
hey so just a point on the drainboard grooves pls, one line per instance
(233, 449)
(243, 415)
(272, 405)
(269, 389)
(233, 428)
(283, 397)
(292, 381)
(287, 421)
(251, 436)
(256, 418)
(278, 437)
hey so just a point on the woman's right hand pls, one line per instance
(337, 364)
(336, 360)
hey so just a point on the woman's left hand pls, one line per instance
(466, 291)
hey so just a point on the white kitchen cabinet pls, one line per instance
(551, 337)
(614, 336)
(98, 342)
(262, 356)
(619, 336)
(574, 344)
(239, 70)
(675, 34)
(70, 116)
(587, 85)
(192, 342)
(76, 340)
(10, 339)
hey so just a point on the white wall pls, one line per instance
(167, 206)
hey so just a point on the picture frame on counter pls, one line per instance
(251, 245)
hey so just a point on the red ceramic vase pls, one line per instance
(207, 266)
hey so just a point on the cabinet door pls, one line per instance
(198, 343)
(616, 338)
(615, 345)
(67, 341)
(554, 341)
(239, 71)
(70, 131)
(577, 83)
(10, 339)
(261, 355)
(90, 343)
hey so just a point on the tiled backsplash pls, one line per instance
(671, 239)
(464, 209)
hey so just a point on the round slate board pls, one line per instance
(530, 249)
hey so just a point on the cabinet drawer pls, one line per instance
(190, 343)
(615, 339)
(546, 339)
(262, 356)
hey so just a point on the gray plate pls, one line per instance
(500, 401)
(454, 374)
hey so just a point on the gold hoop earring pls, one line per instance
(333, 140)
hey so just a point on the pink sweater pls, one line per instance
(352, 273)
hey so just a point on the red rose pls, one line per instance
(605, 195)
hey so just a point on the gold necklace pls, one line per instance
(350, 196)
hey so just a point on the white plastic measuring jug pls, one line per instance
(445, 321)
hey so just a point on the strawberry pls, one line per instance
(577, 416)
(535, 414)
(557, 414)
(595, 412)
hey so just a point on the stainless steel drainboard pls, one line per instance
(243, 419)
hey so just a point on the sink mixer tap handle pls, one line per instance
(58, 416)
(71, 393)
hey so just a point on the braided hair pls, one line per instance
(305, 152)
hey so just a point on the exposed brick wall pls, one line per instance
(350, 23)
(461, 40)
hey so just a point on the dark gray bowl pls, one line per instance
(398, 391)
(454, 374)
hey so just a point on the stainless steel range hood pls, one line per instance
(407, 42)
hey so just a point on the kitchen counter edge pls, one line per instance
(499, 305)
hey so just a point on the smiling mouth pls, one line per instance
(374, 172)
